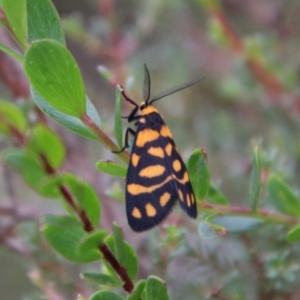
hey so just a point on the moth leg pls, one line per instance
(131, 131)
(132, 116)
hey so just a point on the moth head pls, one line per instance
(143, 105)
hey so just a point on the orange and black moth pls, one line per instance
(156, 176)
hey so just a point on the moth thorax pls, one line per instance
(148, 109)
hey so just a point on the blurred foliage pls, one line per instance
(245, 114)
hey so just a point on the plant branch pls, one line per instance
(107, 254)
(68, 197)
(121, 271)
(267, 79)
(108, 143)
(11, 53)
(262, 214)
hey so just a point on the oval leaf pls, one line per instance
(105, 73)
(92, 241)
(130, 259)
(118, 124)
(237, 223)
(255, 179)
(86, 197)
(119, 244)
(32, 172)
(15, 159)
(215, 196)
(106, 295)
(43, 21)
(199, 173)
(64, 233)
(138, 290)
(293, 235)
(156, 289)
(54, 74)
(15, 12)
(45, 142)
(99, 278)
(283, 197)
(112, 168)
(210, 231)
(72, 123)
(11, 118)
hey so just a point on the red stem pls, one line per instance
(239, 210)
(107, 254)
(121, 271)
(268, 80)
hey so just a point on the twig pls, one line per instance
(107, 142)
(107, 254)
(268, 80)
(261, 214)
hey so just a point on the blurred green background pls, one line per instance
(248, 52)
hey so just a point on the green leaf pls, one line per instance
(17, 159)
(43, 184)
(54, 74)
(64, 233)
(216, 31)
(105, 73)
(215, 196)
(112, 168)
(72, 123)
(293, 235)
(11, 118)
(43, 21)
(15, 12)
(156, 289)
(237, 223)
(199, 173)
(210, 231)
(119, 244)
(282, 196)
(118, 124)
(255, 179)
(115, 191)
(102, 279)
(10, 52)
(105, 295)
(131, 261)
(139, 288)
(86, 197)
(208, 4)
(92, 241)
(32, 172)
(46, 142)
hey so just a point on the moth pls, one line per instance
(156, 176)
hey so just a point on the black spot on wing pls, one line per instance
(189, 209)
(140, 201)
(186, 188)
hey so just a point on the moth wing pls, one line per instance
(156, 177)
(185, 193)
(151, 191)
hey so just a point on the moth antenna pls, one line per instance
(147, 84)
(175, 89)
